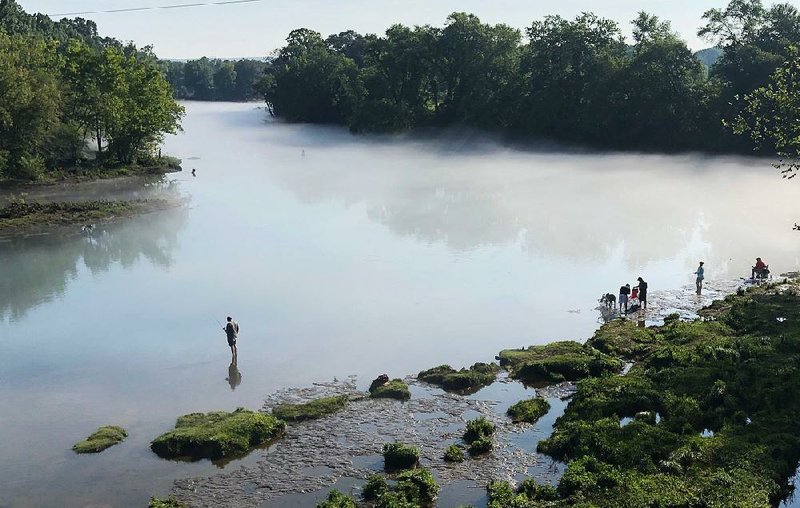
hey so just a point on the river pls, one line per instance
(339, 255)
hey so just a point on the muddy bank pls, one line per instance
(316, 454)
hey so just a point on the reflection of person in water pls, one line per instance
(234, 376)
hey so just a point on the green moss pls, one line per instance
(105, 437)
(453, 453)
(399, 456)
(19, 217)
(394, 389)
(310, 410)
(336, 499)
(624, 339)
(170, 502)
(529, 494)
(375, 487)
(478, 428)
(557, 362)
(217, 435)
(529, 410)
(480, 446)
(461, 381)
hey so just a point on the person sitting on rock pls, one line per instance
(761, 270)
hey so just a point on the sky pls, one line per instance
(258, 27)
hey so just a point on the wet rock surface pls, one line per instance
(316, 454)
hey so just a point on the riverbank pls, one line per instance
(702, 413)
(19, 217)
(164, 165)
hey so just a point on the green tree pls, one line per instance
(224, 81)
(198, 78)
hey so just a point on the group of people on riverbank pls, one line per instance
(636, 296)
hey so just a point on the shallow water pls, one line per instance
(338, 255)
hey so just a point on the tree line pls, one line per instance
(571, 80)
(207, 79)
(61, 85)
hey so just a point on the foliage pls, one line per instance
(336, 499)
(214, 80)
(529, 410)
(453, 453)
(394, 389)
(557, 362)
(310, 410)
(478, 428)
(622, 338)
(217, 435)
(103, 438)
(413, 488)
(461, 381)
(480, 446)
(375, 487)
(736, 376)
(399, 456)
(170, 502)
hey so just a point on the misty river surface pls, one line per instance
(338, 255)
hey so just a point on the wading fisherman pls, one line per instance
(698, 282)
(232, 331)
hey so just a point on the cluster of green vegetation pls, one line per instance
(557, 362)
(529, 410)
(20, 216)
(710, 413)
(571, 80)
(170, 502)
(310, 410)
(217, 435)
(413, 488)
(478, 435)
(461, 381)
(399, 456)
(394, 389)
(207, 79)
(453, 453)
(337, 499)
(62, 85)
(528, 494)
(105, 437)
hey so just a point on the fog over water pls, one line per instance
(338, 255)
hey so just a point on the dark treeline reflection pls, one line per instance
(573, 80)
(37, 269)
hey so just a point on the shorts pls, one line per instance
(231, 341)
(623, 298)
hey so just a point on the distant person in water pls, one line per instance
(232, 331)
(624, 291)
(700, 273)
(194, 172)
(761, 270)
(642, 292)
(234, 376)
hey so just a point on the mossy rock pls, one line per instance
(453, 453)
(461, 381)
(417, 486)
(624, 339)
(337, 499)
(394, 389)
(528, 410)
(478, 428)
(399, 456)
(170, 502)
(310, 410)
(217, 435)
(105, 437)
(557, 362)
(375, 487)
(480, 446)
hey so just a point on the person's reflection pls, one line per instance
(234, 376)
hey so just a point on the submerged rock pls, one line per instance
(557, 362)
(105, 437)
(217, 435)
(311, 410)
(461, 381)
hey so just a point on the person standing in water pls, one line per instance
(232, 331)
(700, 276)
(642, 292)
(624, 291)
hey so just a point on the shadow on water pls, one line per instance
(38, 269)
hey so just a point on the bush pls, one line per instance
(478, 428)
(375, 487)
(528, 410)
(453, 453)
(417, 486)
(399, 456)
(480, 446)
(337, 500)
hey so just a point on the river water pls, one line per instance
(338, 255)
